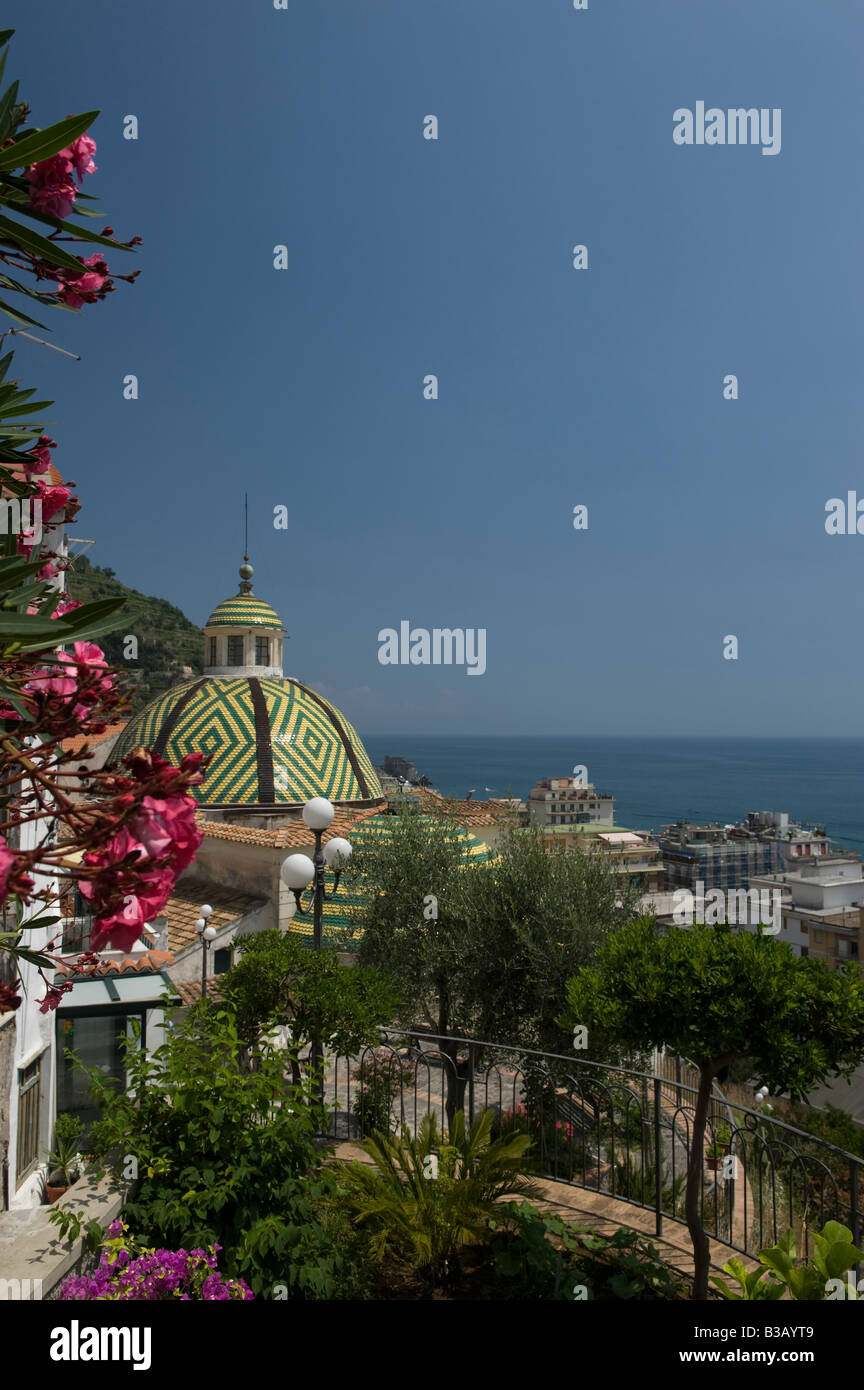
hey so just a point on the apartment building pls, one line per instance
(822, 907)
(566, 801)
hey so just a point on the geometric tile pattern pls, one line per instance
(243, 610)
(274, 742)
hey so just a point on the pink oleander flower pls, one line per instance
(40, 461)
(54, 500)
(87, 287)
(49, 681)
(67, 606)
(53, 997)
(122, 862)
(168, 827)
(80, 154)
(64, 679)
(7, 862)
(51, 187)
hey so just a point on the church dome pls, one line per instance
(275, 743)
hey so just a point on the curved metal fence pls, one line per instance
(620, 1132)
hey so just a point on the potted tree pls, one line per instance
(63, 1161)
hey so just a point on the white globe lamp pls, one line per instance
(337, 852)
(297, 872)
(318, 813)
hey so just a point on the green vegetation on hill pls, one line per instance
(170, 648)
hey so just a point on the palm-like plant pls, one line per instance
(421, 1210)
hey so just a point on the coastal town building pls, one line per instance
(567, 801)
(729, 856)
(794, 841)
(821, 907)
(631, 856)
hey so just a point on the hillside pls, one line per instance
(170, 648)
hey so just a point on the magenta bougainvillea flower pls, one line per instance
(125, 1273)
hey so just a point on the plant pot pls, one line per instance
(54, 1193)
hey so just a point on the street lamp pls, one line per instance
(206, 934)
(299, 871)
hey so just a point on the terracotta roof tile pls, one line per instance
(467, 812)
(190, 990)
(294, 835)
(147, 963)
(75, 746)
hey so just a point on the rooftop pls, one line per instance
(295, 834)
(182, 910)
(75, 746)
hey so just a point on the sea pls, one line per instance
(818, 781)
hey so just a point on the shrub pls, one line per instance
(543, 1257)
(222, 1154)
(426, 1198)
(806, 1281)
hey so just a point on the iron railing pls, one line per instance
(614, 1130)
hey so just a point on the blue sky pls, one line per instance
(557, 387)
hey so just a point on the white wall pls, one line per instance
(35, 1038)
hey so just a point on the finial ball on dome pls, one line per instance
(246, 571)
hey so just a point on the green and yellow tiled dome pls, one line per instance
(274, 742)
(244, 610)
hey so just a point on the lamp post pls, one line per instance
(206, 934)
(299, 871)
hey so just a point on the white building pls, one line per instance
(821, 905)
(566, 801)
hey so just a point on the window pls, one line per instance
(222, 960)
(29, 1096)
(99, 1042)
(212, 651)
(262, 651)
(817, 937)
(235, 651)
(805, 950)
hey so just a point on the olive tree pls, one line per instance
(481, 949)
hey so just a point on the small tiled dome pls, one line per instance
(244, 610)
